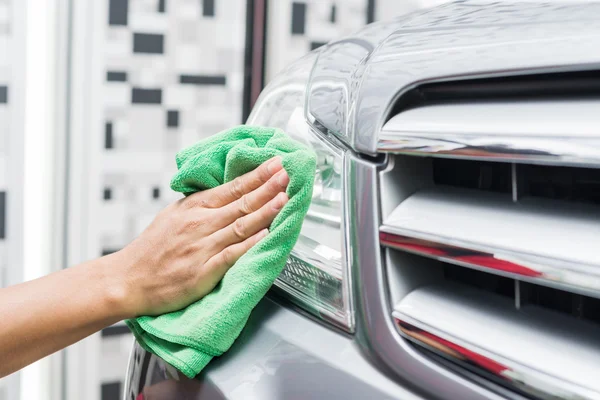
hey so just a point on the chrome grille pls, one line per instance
(491, 215)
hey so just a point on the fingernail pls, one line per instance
(283, 179)
(274, 165)
(262, 234)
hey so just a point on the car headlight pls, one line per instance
(316, 276)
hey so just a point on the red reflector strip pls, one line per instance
(463, 255)
(486, 363)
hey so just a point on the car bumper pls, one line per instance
(279, 355)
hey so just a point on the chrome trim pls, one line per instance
(357, 80)
(556, 132)
(546, 355)
(540, 272)
(376, 333)
(524, 240)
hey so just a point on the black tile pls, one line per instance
(370, 11)
(106, 252)
(333, 15)
(209, 8)
(151, 43)
(115, 330)
(107, 194)
(203, 79)
(156, 193)
(108, 135)
(3, 94)
(111, 391)
(2, 215)
(116, 76)
(316, 45)
(172, 118)
(146, 96)
(298, 18)
(162, 6)
(117, 12)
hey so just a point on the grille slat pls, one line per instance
(506, 205)
(534, 350)
(554, 132)
(546, 242)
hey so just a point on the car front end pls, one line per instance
(449, 248)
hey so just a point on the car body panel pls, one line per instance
(280, 355)
(356, 80)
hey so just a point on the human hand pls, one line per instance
(192, 243)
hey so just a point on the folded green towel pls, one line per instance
(188, 339)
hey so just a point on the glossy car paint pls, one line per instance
(280, 355)
(356, 80)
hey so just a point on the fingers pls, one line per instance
(232, 253)
(245, 227)
(219, 264)
(232, 191)
(252, 201)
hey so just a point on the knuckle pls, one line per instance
(239, 228)
(203, 203)
(245, 206)
(190, 274)
(263, 173)
(274, 185)
(237, 187)
(197, 201)
(192, 224)
(227, 256)
(190, 250)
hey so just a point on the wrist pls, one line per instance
(118, 293)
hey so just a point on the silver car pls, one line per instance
(450, 250)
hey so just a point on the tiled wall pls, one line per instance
(174, 73)
(296, 27)
(4, 121)
(4, 124)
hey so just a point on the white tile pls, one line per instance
(114, 218)
(188, 58)
(4, 46)
(3, 170)
(179, 97)
(152, 22)
(155, 75)
(119, 42)
(133, 161)
(117, 94)
(121, 128)
(186, 10)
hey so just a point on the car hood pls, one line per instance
(355, 81)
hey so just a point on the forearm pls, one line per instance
(176, 261)
(45, 315)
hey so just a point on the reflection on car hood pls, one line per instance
(355, 80)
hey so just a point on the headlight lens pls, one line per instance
(316, 276)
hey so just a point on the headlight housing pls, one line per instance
(316, 276)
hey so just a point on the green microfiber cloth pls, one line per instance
(188, 339)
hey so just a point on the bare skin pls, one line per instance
(177, 260)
